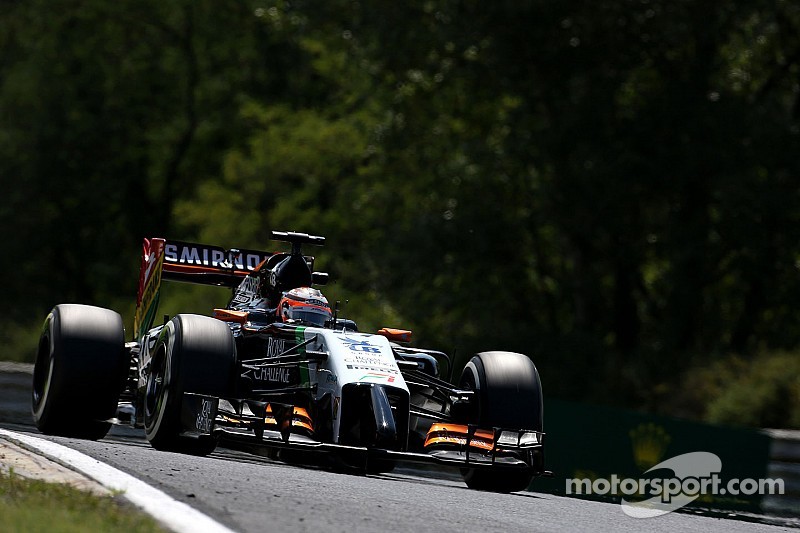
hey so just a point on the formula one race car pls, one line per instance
(278, 370)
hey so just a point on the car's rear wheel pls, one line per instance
(194, 354)
(509, 396)
(80, 370)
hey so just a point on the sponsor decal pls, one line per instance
(247, 291)
(280, 374)
(382, 369)
(275, 347)
(195, 255)
(184, 253)
(360, 345)
(204, 419)
(377, 375)
(360, 359)
(331, 378)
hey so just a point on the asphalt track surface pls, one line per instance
(250, 493)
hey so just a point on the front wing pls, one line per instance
(462, 446)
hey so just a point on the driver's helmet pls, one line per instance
(304, 305)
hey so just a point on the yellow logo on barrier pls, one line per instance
(649, 444)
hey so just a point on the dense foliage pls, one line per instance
(610, 187)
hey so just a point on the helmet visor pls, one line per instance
(306, 314)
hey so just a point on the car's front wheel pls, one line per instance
(194, 354)
(509, 396)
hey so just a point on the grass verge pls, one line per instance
(32, 506)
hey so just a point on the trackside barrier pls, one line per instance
(594, 442)
(15, 392)
(784, 463)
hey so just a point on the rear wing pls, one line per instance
(188, 262)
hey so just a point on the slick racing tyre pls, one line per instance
(193, 354)
(509, 396)
(80, 370)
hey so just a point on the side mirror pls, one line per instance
(319, 278)
(397, 335)
(342, 323)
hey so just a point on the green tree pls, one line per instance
(609, 187)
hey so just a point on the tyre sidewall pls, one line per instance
(80, 370)
(162, 425)
(498, 401)
(509, 396)
(44, 390)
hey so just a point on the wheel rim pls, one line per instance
(471, 381)
(42, 372)
(154, 394)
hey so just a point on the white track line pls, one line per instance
(176, 515)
